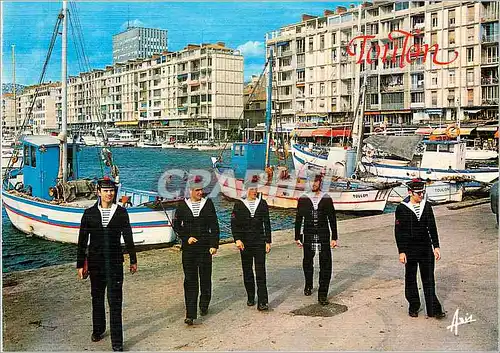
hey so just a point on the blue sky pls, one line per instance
(241, 25)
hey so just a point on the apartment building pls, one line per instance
(45, 116)
(196, 92)
(8, 113)
(138, 43)
(254, 98)
(316, 68)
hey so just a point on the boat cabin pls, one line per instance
(443, 155)
(247, 156)
(41, 164)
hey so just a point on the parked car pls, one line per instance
(494, 198)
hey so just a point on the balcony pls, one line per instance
(491, 38)
(417, 87)
(489, 16)
(417, 105)
(490, 101)
(487, 60)
(285, 82)
(285, 53)
(489, 80)
(391, 88)
(285, 97)
(373, 106)
(393, 106)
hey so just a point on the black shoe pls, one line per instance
(118, 349)
(251, 302)
(189, 321)
(413, 313)
(96, 338)
(203, 311)
(439, 316)
(323, 301)
(308, 291)
(263, 307)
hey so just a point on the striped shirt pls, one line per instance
(416, 207)
(195, 208)
(316, 198)
(105, 216)
(252, 206)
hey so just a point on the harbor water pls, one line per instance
(140, 168)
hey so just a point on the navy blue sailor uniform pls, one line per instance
(320, 227)
(251, 225)
(198, 220)
(105, 227)
(416, 236)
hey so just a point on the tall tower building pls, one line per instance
(138, 43)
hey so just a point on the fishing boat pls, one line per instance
(47, 196)
(280, 188)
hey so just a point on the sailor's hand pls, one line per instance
(268, 248)
(212, 251)
(133, 268)
(333, 244)
(437, 254)
(402, 258)
(192, 240)
(80, 273)
(299, 243)
(240, 245)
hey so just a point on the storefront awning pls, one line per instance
(487, 128)
(127, 123)
(472, 111)
(303, 133)
(331, 132)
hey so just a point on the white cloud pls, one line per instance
(252, 69)
(252, 49)
(133, 23)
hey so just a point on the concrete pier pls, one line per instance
(50, 310)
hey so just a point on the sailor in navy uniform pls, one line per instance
(251, 230)
(196, 224)
(105, 223)
(316, 210)
(418, 245)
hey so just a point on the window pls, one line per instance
(300, 45)
(470, 13)
(451, 77)
(434, 20)
(321, 42)
(434, 98)
(470, 76)
(434, 79)
(26, 154)
(470, 34)
(322, 89)
(451, 55)
(311, 90)
(451, 97)
(451, 17)
(470, 96)
(417, 97)
(334, 38)
(434, 39)
(301, 75)
(470, 55)
(374, 98)
(451, 36)
(311, 44)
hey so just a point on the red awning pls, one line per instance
(331, 132)
(496, 134)
(303, 133)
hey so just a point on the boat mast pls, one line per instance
(14, 87)
(64, 118)
(269, 106)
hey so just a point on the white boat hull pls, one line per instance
(62, 223)
(334, 163)
(398, 172)
(283, 195)
(480, 155)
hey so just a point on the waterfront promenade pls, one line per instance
(49, 309)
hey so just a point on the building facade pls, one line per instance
(138, 43)
(45, 116)
(8, 113)
(254, 99)
(317, 66)
(196, 93)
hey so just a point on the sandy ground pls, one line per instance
(50, 310)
